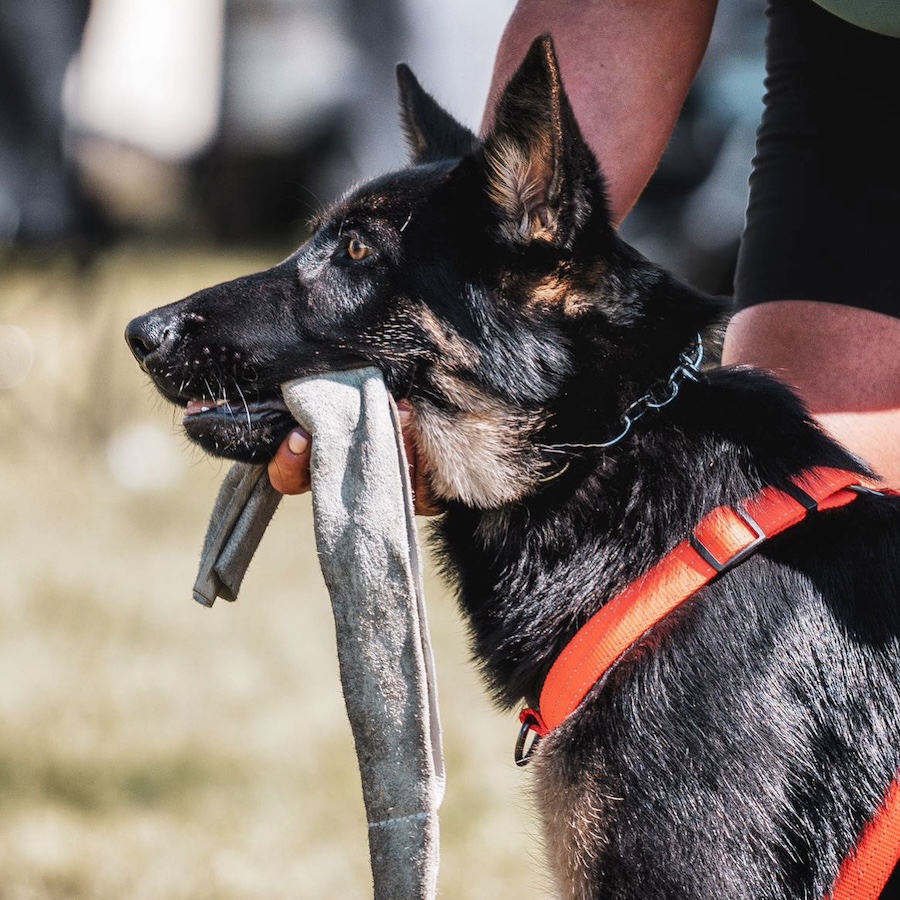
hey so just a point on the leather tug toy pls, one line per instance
(368, 550)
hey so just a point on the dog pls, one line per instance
(739, 747)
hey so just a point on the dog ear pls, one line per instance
(542, 177)
(431, 132)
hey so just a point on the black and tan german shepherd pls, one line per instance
(738, 749)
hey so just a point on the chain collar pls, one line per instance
(659, 396)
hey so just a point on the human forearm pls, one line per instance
(627, 68)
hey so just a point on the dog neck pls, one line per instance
(528, 572)
(658, 396)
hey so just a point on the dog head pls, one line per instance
(485, 281)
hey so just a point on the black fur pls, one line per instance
(738, 749)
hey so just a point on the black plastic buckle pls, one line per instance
(795, 492)
(721, 566)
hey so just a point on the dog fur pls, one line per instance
(738, 748)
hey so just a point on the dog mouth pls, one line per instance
(251, 409)
(247, 429)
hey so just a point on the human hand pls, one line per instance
(289, 469)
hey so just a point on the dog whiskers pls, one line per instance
(211, 392)
(246, 406)
(562, 449)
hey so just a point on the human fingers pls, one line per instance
(289, 468)
(423, 501)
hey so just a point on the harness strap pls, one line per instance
(866, 870)
(722, 539)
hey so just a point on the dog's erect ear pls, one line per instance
(541, 174)
(431, 132)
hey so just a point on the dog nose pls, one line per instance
(146, 334)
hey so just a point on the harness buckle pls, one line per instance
(720, 566)
(794, 491)
(867, 490)
(531, 721)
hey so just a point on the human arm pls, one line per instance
(627, 67)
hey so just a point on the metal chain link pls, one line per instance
(657, 397)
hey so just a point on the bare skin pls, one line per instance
(289, 470)
(843, 361)
(628, 67)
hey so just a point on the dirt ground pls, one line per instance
(152, 749)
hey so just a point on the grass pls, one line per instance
(150, 748)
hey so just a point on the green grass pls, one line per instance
(151, 749)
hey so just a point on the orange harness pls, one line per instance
(724, 538)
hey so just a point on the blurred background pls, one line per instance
(150, 748)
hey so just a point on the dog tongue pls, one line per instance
(198, 406)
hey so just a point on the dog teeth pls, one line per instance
(200, 406)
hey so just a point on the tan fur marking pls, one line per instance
(454, 350)
(479, 453)
(513, 181)
(518, 185)
(554, 150)
(555, 291)
(551, 291)
(574, 825)
(470, 398)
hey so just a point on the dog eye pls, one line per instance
(357, 250)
